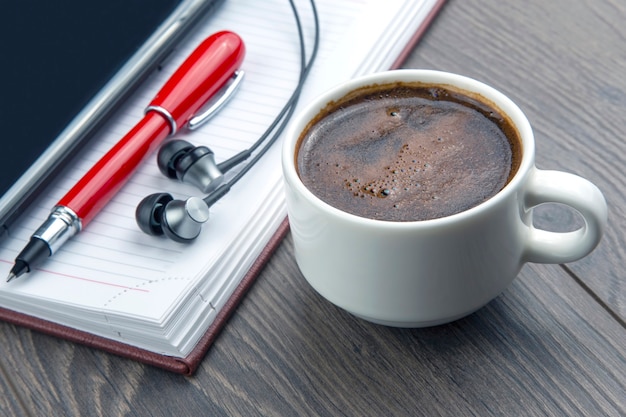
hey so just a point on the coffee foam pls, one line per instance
(400, 156)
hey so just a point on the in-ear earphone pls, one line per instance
(161, 214)
(179, 220)
(180, 160)
(195, 165)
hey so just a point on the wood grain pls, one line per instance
(543, 348)
(553, 344)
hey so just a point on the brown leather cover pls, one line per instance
(419, 33)
(189, 364)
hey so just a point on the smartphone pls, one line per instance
(64, 67)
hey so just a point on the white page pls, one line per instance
(122, 280)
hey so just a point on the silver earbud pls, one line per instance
(179, 159)
(181, 221)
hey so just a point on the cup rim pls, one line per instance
(455, 81)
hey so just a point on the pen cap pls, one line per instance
(203, 74)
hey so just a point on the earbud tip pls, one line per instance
(169, 153)
(149, 213)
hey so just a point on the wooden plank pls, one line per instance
(563, 64)
(11, 403)
(543, 348)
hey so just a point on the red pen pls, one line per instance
(206, 71)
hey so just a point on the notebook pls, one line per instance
(162, 302)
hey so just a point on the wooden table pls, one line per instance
(553, 344)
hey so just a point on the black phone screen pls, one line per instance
(54, 56)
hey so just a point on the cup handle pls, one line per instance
(578, 193)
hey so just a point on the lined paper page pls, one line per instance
(113, 280)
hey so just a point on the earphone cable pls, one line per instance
(284, 115)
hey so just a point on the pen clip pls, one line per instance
(216, 104)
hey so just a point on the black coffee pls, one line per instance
(404, 152)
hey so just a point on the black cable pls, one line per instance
(284, 115)
(293, 99)
(245, 154)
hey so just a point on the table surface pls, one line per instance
(554, 343)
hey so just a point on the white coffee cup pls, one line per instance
(423, 273)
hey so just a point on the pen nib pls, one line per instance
(18, 269)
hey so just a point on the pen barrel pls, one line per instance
(96, 188)
(202, 74)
